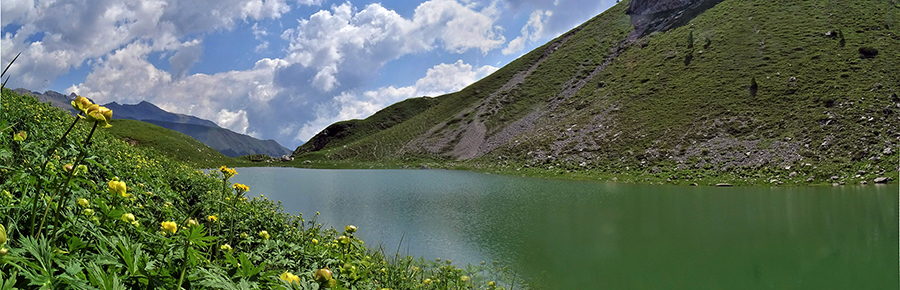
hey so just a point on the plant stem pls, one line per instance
(43, 170)
(81, 157)
(184, 265)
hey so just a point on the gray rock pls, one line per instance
(835, 177)
(881, 180)
(835, 184)
(693, 184)
(810, 179)
(307, 162)
(888, 151)
(723, 184)
(863, 182)
(793, 174)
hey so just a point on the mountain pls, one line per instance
(227, 142)
(55, 99)
(676, 90)
(148, 111)
(170, 143)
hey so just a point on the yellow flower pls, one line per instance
(464, 278)
(228, 172)
(492, 284)
(290, 278)
(315, 242)
(87, 212)
(171, 227)
(81, 104)
(118, 188)
(101, 115)
(128, 218)
(226, 248)
(20, 136)
(244, 235)
(427, 282)
(350, 229)
(212, 218)
(322, 275)
(2, 234)
(264, 235)
(240, 188)
(344, 240)
(83, 203)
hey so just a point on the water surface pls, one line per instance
(600, 235)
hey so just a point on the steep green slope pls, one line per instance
(345, 132)
(227, 142)
(169, 143)
(749, 92)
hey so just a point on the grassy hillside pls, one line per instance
(761, 92)
(345, 132)
(132, 218)
(227, 142)
(169, 143)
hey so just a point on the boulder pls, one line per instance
(723, 184)
(881, 180)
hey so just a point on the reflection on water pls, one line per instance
(598, 235)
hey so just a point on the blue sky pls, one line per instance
(273, 69)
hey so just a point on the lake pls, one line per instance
(594, 235)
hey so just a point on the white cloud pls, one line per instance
(70, 32)
(439, 80)
(344, 44)
(185, 58)
(532, 31)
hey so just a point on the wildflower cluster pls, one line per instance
(110, 215)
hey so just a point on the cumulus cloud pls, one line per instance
(533, 30)
(185, 58)
(69, 32)
(344, 45)
(566, 14)
(439, 80)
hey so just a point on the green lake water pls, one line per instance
(591, 235)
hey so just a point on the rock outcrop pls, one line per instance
(659, 15)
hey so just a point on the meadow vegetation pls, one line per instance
(81, 208)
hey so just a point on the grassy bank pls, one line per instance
(124, 217)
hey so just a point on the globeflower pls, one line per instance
(118, 188)
(2, 234)
(290, 278)
(128, 218)
(83, 203)
(88, 212)
(350, 229)
(226, 248)
(322, 275)
(171, 227)
(464, 278)
(315, 242)
(101, 115)
(19, 137)
(81, 104)
(264, 235)
(212, 218)
(427, 282)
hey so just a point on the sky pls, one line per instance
(272, 69)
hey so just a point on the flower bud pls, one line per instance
(322, 275)
(83, 203)
(350, 229)
(3, 252)
(2, 235)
